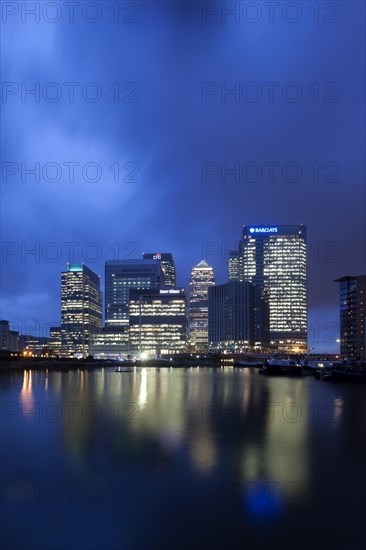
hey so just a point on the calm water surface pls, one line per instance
(181, 458)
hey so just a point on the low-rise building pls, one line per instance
(110, 343)
(9, 339)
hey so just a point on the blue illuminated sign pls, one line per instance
(254, 230)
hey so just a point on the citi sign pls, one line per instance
(157, 256)
(263, 230)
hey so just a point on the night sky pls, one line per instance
(165, 124)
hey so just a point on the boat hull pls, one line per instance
(350, 376)
(282, 371)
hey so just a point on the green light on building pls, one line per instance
(75, 267)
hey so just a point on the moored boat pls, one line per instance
(248, 364)
(124, 369)
(284, 367)
(348, 374)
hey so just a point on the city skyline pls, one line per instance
(264, 306)
(329, 329)
(246, 314)
(322, 336)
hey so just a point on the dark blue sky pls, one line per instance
(167, 126)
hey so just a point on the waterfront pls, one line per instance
(177, 458)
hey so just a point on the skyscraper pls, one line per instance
(231, 317)
(352, 293)
(158, 321)
(81, 309)
(166, 261)
(274, 260)
(120, 277)
(233, 265)
(54, 343)
(202, 277)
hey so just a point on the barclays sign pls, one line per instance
(254, 230)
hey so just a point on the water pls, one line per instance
(178, 458)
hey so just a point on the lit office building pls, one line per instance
(33, 345)
(158, 322)
(352, 293)
(166, 261)
(110, 343)
(202, 278)
(274, 260)
(233, 265)
(81, 309)
(231, 317)
(54, 342)
(120, 277)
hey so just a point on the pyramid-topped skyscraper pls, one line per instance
(202, 277)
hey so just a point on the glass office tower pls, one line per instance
(352, 293)
(202, 278)
(81, 309)
(120, 277)
(166, 261)
(54, 343)
(231, 317)
(158, 322)
(274, 260)
(233, 265)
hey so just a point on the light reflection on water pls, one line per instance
(227, 450)
(143, 389)
(27, 384)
